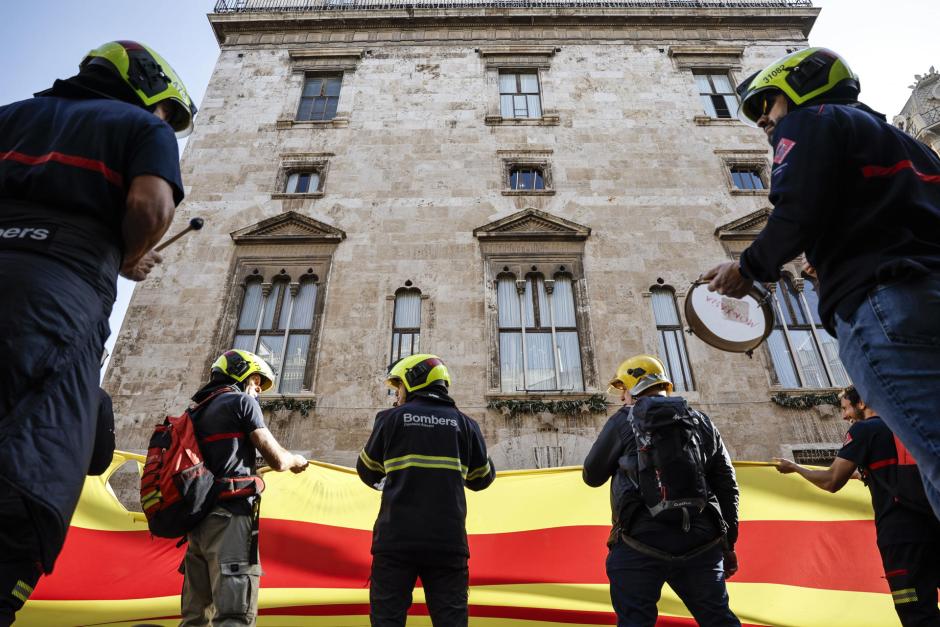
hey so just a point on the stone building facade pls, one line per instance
(531, 186)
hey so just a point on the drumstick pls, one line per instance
(194, 225)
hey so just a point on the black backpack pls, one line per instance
(670, 473)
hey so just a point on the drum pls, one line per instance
(736, 325)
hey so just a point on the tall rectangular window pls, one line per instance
(804, 355)
(717, 94)
(319, 98)
(276, 323)
(519, 95)
(672, 348)
(539, 349)
(406, 326)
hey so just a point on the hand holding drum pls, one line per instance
(736, 325)
(194, 225)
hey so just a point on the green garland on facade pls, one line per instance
(290, 404)
(805, 401)
(595, 404)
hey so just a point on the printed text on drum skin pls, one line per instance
(729, 310)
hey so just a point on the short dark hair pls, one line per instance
(852, 394)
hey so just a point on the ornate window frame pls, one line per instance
(526, 242)
(510, 58)
(534, 159)
(290, 247)
(746, 158)
(306, 62)
(291, 163)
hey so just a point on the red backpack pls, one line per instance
(177, 489)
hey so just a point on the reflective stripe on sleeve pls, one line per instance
(482, 471)
(370, 463)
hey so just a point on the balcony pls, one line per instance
(247, 6)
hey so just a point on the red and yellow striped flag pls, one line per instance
(808, 558)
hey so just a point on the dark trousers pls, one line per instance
(444, 576)
(913, 574)
(19, 554)
(636, 581)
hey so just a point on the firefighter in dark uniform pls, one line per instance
(694, 554)
(89, 182)
(422, 454)
(221, 568)
(862, 199)
(908, 533)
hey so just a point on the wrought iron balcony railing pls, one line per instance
(243, 6)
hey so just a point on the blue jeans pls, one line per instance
(636, 581)
(890, 347)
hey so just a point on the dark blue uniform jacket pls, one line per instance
(421, 455)
(859, 196)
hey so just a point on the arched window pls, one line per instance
(803, 353)
(275, 317)
(672, 348)
(539, 349)
(406, 324)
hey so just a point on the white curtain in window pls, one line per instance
(541, 361)
(812, 301)
(251, 306)
(270, 348)
(508, 303)
(270, 304)
(408, 310)
(701, 82)
(732, 103)
(563, 303)
(244, 342)
(527, 304)
(672, 345)
(534, 103)
(295, 362)
(543, 302)
(506, 108)
(304, 306)
(814, 373)
(569, 361)
(722, 84)
(529, 83)
(830, 349)
(780, 356)
(510, 362)
(507, 83)
(664, 308)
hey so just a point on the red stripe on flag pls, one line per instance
(295, 554)
(877, 171)
(72, 160)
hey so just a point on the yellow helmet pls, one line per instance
(417, 371)
(239, 365)
(802, 76)
(639, 373)
(151, 78)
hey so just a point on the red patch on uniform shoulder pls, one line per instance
(848, 438)
(784, 146)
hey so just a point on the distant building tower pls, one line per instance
(921, 114)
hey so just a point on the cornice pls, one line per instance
(226, 24)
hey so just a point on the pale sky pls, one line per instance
(886, 43)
